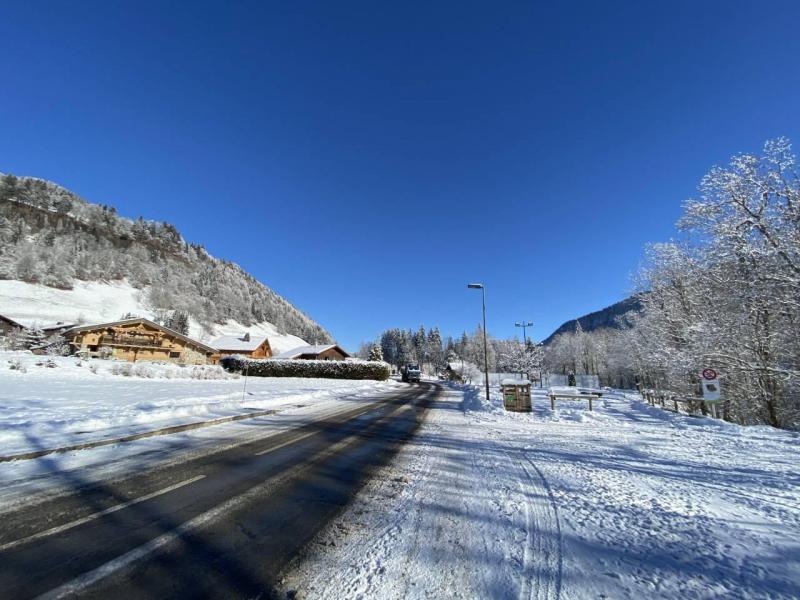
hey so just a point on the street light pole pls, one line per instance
(480, 286)
(524, 325)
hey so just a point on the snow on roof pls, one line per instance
(307, 350)
(40, 324)
(243, 343)
(566, 390)
(509, 381)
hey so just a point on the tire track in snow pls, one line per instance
(543, 558)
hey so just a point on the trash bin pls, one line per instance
(516, 395)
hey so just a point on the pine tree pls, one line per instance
(419, 339)
(33, 337)
(178, 321)
(435, 350)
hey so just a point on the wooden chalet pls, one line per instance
(9, 325)
(323, 352)
(138, 339)
(244, 345)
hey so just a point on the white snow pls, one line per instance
(101, 302)
(627, 501)
(80, 401)
(237, 342)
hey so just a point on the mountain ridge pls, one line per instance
(612, 316)
(52, 237)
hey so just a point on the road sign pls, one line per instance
(712, 392)
(709, 374)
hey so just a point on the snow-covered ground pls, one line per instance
(628, 501)
(101, 302)
(76, 401)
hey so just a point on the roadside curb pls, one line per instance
(135, 436)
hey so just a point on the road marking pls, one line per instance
(284, 444)
(80, 583)
(107, 511)
(308, 435)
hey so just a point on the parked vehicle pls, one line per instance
(410, 372)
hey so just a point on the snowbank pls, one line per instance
(79, 401)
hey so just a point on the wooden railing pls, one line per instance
(673, 401)
(130, 340)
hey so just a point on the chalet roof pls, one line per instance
(12, 321)
(172, 332)
(44, 325)
(234, 343)
(301, 350)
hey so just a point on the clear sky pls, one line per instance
(367, 160)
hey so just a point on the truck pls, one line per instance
(410, 372)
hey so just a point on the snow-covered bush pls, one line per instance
(16, 365)
(169, 371)
(211, 372)
(323, 369)
(57, 346)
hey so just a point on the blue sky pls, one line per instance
(367, 160)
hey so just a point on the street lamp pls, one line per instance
(479, 286)
(524, 325)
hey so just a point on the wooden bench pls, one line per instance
(569, 394)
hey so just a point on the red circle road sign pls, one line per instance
(709, 374)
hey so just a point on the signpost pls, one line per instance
(712, 392)
(709, 374)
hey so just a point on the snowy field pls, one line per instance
(628, 501)
(81, 401)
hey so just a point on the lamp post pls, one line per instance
(524, 325)
(479, 286)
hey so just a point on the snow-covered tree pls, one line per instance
(33, 336)
(376, 353)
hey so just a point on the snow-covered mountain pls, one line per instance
(614, 317)
(63, 259)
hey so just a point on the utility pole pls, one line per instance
(480, 286)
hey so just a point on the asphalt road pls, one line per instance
(221, 525)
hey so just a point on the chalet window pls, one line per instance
(174, 354)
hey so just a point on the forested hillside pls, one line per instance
(50, 236)
(616, 316)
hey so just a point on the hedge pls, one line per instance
(323, 369)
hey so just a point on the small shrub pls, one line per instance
(93, 368)
(15, 365)
(169, 371)
(124, 369)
